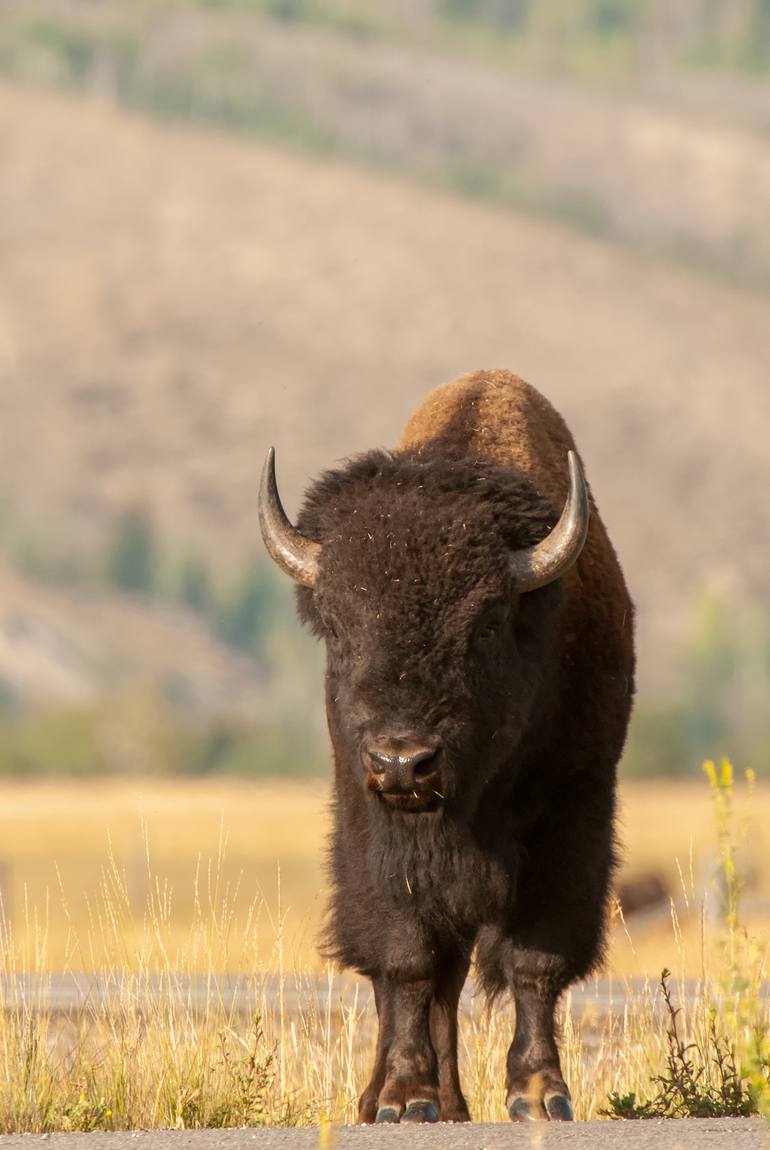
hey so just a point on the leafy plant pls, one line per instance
(249, 1072)
(85, 1115)
(724, 1072)
(701, 1079)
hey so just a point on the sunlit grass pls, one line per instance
(54, 838)
(165, 1042)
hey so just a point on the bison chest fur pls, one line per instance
(410, 885)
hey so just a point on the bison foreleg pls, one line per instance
(405, 1077)
(535, 1086)
(443, 1033)
(367, 1103)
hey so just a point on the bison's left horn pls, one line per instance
(293, 553)
(546, 561)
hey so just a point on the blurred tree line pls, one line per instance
(719, 706)
(242, 615)
(468, 107)
(149, 727)
(729, 34)
(573, 35)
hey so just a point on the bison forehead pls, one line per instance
(418, 535)
(392, 557)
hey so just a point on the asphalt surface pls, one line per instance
(75, 992)
(690, 1134)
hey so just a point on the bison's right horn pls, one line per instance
(546, 561)
(293, 553)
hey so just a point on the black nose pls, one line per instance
(402, 764)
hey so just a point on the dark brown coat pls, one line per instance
(476, 731)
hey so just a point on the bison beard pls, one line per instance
(478, 688)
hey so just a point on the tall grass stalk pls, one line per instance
(743, 971)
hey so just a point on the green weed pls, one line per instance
(250, 1072)
(723, 1070)
(701, 1078)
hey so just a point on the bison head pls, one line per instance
(433, 581)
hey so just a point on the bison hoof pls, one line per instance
(554, 1107)
(559, 1108)
(421, 1110)
(387, 1114)
(524, 1109)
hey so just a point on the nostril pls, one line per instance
(424, 765)
(396, 764)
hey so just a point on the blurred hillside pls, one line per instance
(631, 119)
(173, 300)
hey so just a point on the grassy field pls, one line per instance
(202, 878)
(257, 848)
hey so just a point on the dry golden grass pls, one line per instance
(668, 827)
(271, 839)
(139, 1061)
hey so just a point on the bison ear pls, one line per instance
(287, 546)
(535, 566)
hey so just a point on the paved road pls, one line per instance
(692, 1134)
(75, 992)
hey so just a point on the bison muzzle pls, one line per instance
(479, 682)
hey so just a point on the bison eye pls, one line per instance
(489, 626)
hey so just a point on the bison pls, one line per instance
(479, 682)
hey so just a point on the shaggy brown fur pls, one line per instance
(499, 416)
(500, 717)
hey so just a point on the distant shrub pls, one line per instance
(658, 743)
(142, 733)
(720, 702)
(133, 562)
(245, 616)
(504, 15)
(9, 697)
(194, 588)
(267, 750)
(62, 49)
(52, 742)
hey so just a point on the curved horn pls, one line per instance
(546, 561)
(293, 553)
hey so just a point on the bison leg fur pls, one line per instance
(367, 1103)
(535, 1086)
(443, 1032)
(405, 1076)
